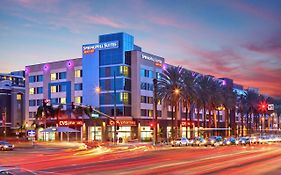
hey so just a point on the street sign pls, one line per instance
(270, 107)
(31, 133)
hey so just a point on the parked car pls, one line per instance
(6, 146)
(230, 141)
(180, 142)
(214, 141)
(199, 141)
(253, 140)
(244, 140)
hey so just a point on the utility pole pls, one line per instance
(4, 122)
(155, 111)
(115, 122)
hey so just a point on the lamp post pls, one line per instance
(176, 92)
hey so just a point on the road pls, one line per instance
(257, 159)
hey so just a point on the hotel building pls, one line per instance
(114, 64)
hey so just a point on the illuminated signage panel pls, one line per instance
(88, 49)
(70, 123)
(157, 62)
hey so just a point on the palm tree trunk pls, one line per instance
(186, 116)
(226, 117)
(191, 125)
(242, 124)
(172, 128)
(204, 122)
(176, 120)
(198, 120)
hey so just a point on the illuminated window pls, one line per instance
(63, 100)
(19, 97)
(124, 97)
(150, 113)
(31, 90)
(53, 76)
(78, 100)
(78, 73)
(124, 70)
(53, 89)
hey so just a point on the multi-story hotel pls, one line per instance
(115, 64)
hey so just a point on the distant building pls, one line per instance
(11, 103)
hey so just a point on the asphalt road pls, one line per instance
(257, 159)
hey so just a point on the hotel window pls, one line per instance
(150, 100)
(61, 88)
(39, 90)
(39, 78)
(143, 99)
(62, 75)
(53, 89)
(62, 100)
(78, 100)
(31, 90)
(124, 70)
(31, 79)
(54, 101)
(53, 76)
(124, 97)
(19, 96)
(78, 73)
(158, 75)
(32, 102)
(78, 87)
(150, 113)
(143, 112)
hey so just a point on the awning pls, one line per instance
(59, 129)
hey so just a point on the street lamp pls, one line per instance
(177, 91)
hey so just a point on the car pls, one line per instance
(11, 170)
(244, 140)
(180, 142)
(230, 141)
(198, 141)
(253, 140)
(214, 141)
(6, 146)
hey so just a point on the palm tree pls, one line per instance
(241, 103)
(188, 93)
(252, 102)
(169, 90)
(203, 90)
(229, 103)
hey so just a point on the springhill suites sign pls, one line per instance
(100, 46)
(156, 61)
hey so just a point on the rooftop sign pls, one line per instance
(87, 49)
(156, 61)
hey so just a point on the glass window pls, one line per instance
(78, 86)
(62, 88)
(143, 112)
(54, 101)
(143, 99)
(78, 100)
(62, 100)
(78, 73)
(53, 89)
(150, 74)
(19, 96)
(31, 79)
(124, 97)
(53, 76)
(39, 102)
(40, 90)
(124, 70)
(32, 103)
(31, 90)
(62, 75)
(150, 113)
(39, 78)
(142, 72)
(158, 75)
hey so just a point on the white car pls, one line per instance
(180, 142)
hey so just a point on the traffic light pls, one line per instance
(263, 106)
(151, 126)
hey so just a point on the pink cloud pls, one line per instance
(102, 20)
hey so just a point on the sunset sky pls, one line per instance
(235, 39)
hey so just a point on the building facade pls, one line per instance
(115, 77)
(11, 104)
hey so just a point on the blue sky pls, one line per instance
(236, 39)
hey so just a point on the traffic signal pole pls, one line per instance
(115, 123)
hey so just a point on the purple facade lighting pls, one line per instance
(27, 70)
(46, 67)
(164, 67)
(223, 82)
(70, 64)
